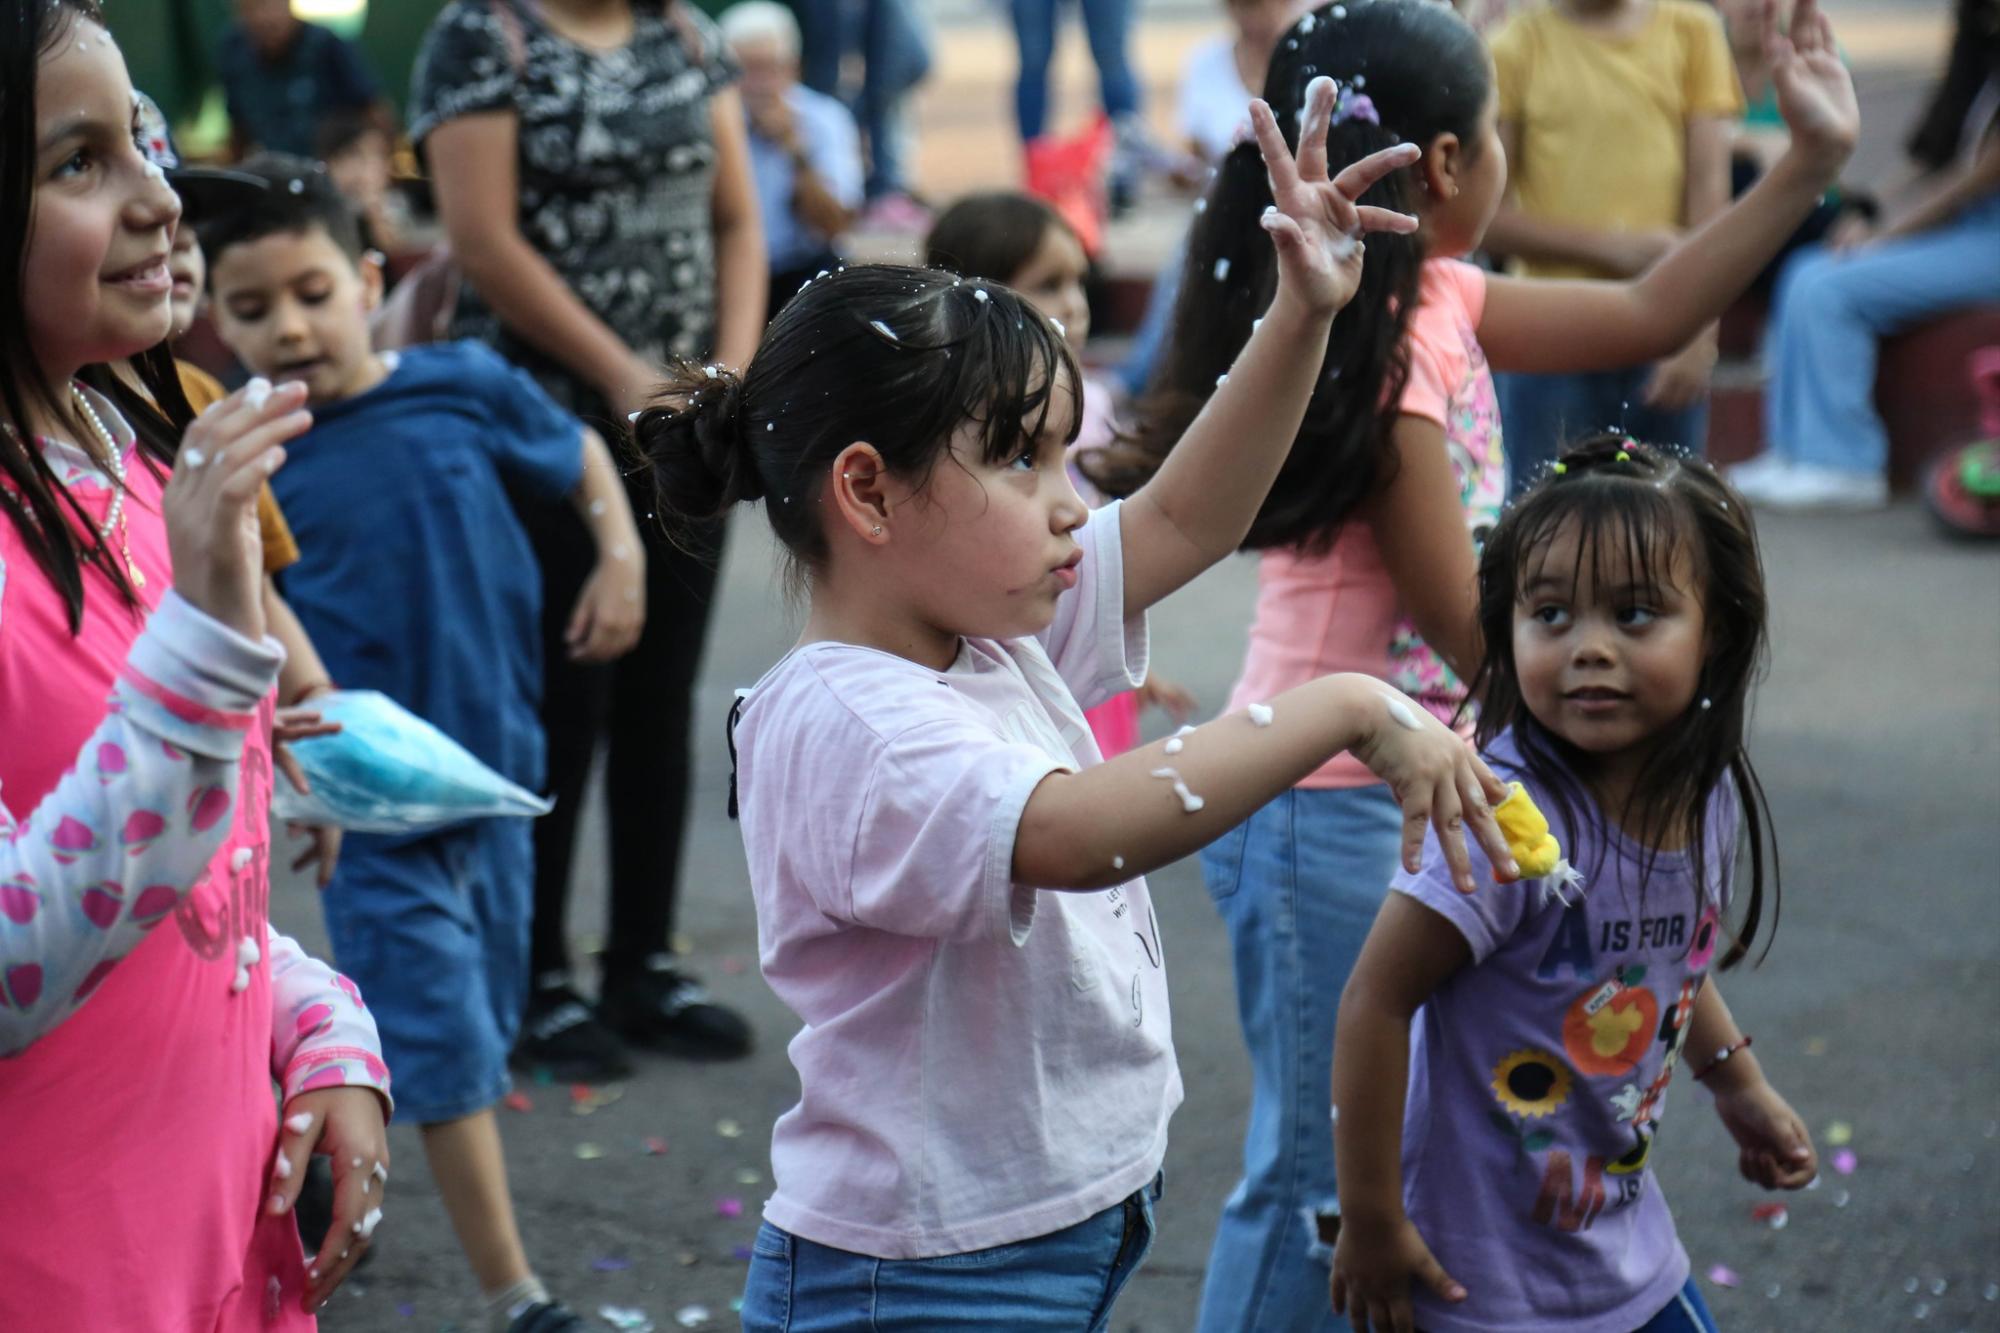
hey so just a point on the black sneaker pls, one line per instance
(546, 1317)
(664, 1009)
(561, 1035)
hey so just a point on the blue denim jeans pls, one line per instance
(1829, 316)
(1298, 886)
(895, 59)
(1059, 1283)
(1543, 414)
(1686, 1313)
(1108, 25)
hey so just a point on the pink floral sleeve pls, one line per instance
(110, 853)
(322, 1035)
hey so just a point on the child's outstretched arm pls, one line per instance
(1112, 822)
(1199, 506)
(1773, 1145)
(1409, 954)
(611, 610)
(1531, 325)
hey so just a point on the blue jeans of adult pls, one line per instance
(1059, 1283)
(1832, 310)
(1107, 24)
(1541, 415)
(1298, 886)
(895, 59)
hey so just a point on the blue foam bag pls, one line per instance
(389, 771)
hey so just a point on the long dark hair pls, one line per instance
(53, 525)
(899, 357)
(992, 234)
(1623, 498)
(1425, 73)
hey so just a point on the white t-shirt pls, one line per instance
(981, 1062)
(1214, 105)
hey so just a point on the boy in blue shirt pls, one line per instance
(421, 584)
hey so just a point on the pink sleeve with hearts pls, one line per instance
(111, 851)
(322, 1035)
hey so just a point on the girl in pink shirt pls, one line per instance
(1370, 532)
(949, 876)
(146, 1006)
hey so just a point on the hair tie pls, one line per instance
(1354, 106)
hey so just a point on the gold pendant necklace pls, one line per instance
(115, 517)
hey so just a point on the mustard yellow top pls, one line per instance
(1603, 119)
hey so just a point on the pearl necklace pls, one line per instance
(114, 517)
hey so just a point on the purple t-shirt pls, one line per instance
(1538, 1075)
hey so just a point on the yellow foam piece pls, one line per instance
(1527, 833)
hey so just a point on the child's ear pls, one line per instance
(858, 486)
(369, 266)
(1443, 163)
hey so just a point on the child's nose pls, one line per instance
(154, 203)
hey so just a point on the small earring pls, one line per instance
(877, 530)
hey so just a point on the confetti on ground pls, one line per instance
(729, 1129)
(682, 944)
(729, 1207)
(653, 1146)
(1840, 1198)
(588, 1152)
(542, 1077)
(405, 1309)
(748, 1175)
(692, 1316)
(736, 1304)
(1839, 1133)
(687, 1258)
(1773, 1215)
(740, 1253)
(518, 1101)
(733, 965)
(1993, 1291)
(609, 1263)
(1910, 1285)
(1772, 1292)
(629, 1318)
(1939, 1286)
(1815, 1045)
(1845, 1161)
(582, 1092)
(1722, 1275)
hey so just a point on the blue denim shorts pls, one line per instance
(1064, 1282)
(434, 931)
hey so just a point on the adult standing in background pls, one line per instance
(590, 167)
(895, 58)
(805, 152)
(281, 77)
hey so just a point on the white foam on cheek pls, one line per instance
(1260, 714)
(1189, 801)
(299, 1123)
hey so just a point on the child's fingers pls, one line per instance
(1339, 1293)
(1278, 162)
(355, 1214)
(1449, 816)
(288, 764)
(1372, 218)
(1357, 178)
(1416, 823)
(1312, 133)
(579, 623)
(1485, 828)
(297, 1134)
(1286, 235)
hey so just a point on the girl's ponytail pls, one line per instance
(694, 440)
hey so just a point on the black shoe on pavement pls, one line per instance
(560, 1034)
(546, 1317)
(661, 1008)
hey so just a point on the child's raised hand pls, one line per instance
(210, 504)
(1774, 1148)
(1313, 221)
(1815, 93)
(1373, 1267)
(345, 1125)
(1437, 779)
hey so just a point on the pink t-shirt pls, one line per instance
(136, 1138)
(981, 1062)
(1339, 611)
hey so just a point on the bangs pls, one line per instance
(1630, 533)
(1010, 371)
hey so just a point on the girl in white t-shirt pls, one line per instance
(948, 877)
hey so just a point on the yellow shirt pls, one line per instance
(281, 550)
(1603, 120)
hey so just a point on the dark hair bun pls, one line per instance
(693, 436)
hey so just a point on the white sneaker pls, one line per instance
(1808, 486)
(1758, 470)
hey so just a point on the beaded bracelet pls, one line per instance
(1742, 1043)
